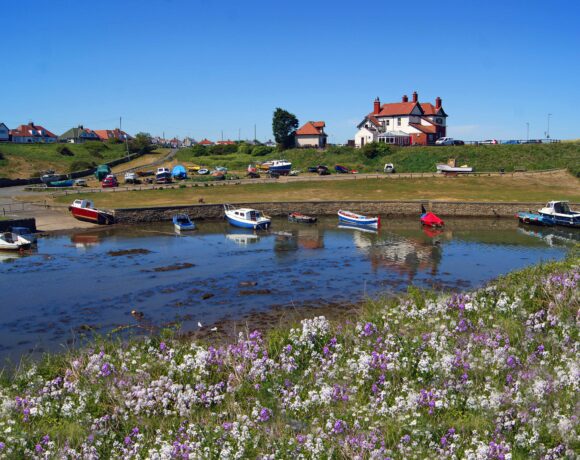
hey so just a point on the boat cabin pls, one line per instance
(248, 214)
(558, 207)
(88, 204)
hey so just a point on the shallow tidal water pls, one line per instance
(90, 281)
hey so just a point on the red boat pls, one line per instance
(429, 219)
(85, 210)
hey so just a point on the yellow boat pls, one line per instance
(194, 168)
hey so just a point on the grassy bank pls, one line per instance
(486, 374)
(412, 159)
(506, 188)
(24, 161)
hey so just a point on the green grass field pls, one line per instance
(23, 161)
(415, 159)
(497, 188)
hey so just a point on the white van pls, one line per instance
(444, 141)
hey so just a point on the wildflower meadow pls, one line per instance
(489, 374)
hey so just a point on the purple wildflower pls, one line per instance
(300, 438)
(265, 414)
(2, 445)
(369, 329)
(38, 448)
(339, 426)
(162, 346)
(227, 426)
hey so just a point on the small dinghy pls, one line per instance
(300, 218)
(182, 222)
(358, 219)
(429, 219)
(13, 242)
(530, 218)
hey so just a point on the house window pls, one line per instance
(438, 121)
(388, 122)
(398, 122)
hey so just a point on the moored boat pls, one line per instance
(430, 219)
(163, 176)
(61, 183)
(341, 169)
(203, 171)
(26, 233)
(282, 167)
(300, 218)
(51, 176)
(359, 219)
(443, 168)
(246, 218)
(182, 222)
(13, 242)
(531, 218)
(85, 210)
(561, 213)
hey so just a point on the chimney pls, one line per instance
(405, 98)
(377, 106)
(438, 103)
(415, 96)
(31, 124)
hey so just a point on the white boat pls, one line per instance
(26, 233)
(282, 167)
(182, 222)
(561, 213)
(163, 176)
(50, 176)
(131, 178)
(246, 218)
(454, 169)
(358, 219)
(203, 171)
(13, 242)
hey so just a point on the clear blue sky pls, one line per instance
(196, 68)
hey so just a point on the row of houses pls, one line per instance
(32, 133)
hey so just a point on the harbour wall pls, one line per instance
(318, 208)
(28, 222)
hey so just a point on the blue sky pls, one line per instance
(197, 68)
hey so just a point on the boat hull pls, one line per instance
(529, 218)
(356, 219)
(91, 215)
(563, 220)
(301, 218)
(243, 223)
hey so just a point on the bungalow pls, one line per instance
(311, 134)
(31, 133)
(78, 135)
(108, 134)
(206, 142)
(4, 133)
(403, 123)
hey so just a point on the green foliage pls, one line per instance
(141, 143)
(284, 125)
(114, 140)
(222, 149)
(64, 150)
(80, 165)
(1, 156)
(245, 149)
(197, 151)
(95, 148)
(375, 149)
(261, 150)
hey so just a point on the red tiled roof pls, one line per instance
(228, 142)
(397, 108)
(106, 134)
(373, 120)
(24, 131)
(206, 142)
(311, 128)
(431, 129)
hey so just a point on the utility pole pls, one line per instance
(548, 131)
(527, 130)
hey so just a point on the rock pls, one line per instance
(207, 295)
(248, 283)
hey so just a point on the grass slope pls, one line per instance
(415, 159)
(484, 188)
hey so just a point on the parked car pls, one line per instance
(458, 142)
(131, 178)
(444, 141)
(512, 141)
(110, 181)
(389, 168)
(81, 183)
(488, 141)
(322, 170)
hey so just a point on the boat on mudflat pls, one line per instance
(163, 176)
(85, 210)
(358, 219)
(443, 168)
(561, 213)
(429, 219)
(182, 222)
(61, 183)
(246, 218)
(300, 218)
(531, 218)
(282, 167)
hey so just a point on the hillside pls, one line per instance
(24, 161)
(410, 159)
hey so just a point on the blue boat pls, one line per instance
(358, 219)
(246, 218)
(182, 222)
(61, 183)
(179, 172)
(282, 167)
(561, 213)
(530, 218)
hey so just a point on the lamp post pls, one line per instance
(527, 130)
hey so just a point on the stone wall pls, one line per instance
(29, 222)
(320, 208)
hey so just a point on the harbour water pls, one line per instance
(91, 281)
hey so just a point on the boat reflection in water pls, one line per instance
(310, 237)
(285, 242)
(243, 238)
(553, 236)
(85, 240)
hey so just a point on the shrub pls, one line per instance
(261, 150)
(198, 151)
(245, 149)
(1, 156)
(114, 140)
(64, 150)
(375, 149)
(223, 149)
(340, 150)
(80, 165)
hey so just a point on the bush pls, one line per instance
(1, 156)
(340, 150)
(114, 140)
(198, 151)
(261, 150)
(64, 150)
(375, 149)
(223, 149)
(245, 149)
(81, 165)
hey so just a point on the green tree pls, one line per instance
(141, 143)
(284, 125)
(261, 150)
(199, 151)
(375, 149)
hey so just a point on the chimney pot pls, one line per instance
(415, 96)
(405, 98)
(438, 103)
(31, 123)
(377, 106)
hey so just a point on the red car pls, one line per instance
(110, 181)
